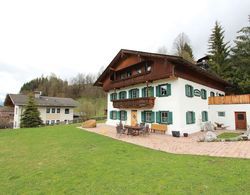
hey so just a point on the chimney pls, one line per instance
(38, 94)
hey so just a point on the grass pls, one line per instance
(64, 159)
(228, 135)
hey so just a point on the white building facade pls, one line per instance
(53, 110)
(180, 112)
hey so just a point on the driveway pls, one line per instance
(182, 145)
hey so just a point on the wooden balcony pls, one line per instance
(146, 102)
(231, 99)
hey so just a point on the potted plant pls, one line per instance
(176, 133)
(185, 134)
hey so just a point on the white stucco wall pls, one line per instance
(44, 116)
(229, 109)
(178, 103)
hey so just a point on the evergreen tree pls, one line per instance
(218, 51)
(240, 61)
(31, 115)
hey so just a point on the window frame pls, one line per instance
(204, 116)
(221, 113)
(190, 117)
(203, 94)
(189, 90)
(66, 111)
(167, 88)
(48, 110)
(137, 92)
(120, 95)
(53, 110)
(58, 110)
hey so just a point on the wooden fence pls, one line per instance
(231, 99)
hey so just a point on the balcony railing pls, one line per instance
(146, 102)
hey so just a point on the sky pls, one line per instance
(70, 37)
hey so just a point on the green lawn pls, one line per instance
(228, 135)
(64, 159)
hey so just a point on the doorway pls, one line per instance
(240, 120)
(133, 117)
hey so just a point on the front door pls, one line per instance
(133, 117)
(240, 120)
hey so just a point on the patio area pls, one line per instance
(181, 145)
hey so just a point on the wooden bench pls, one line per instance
(159, 127)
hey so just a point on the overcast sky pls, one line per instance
(70, 37)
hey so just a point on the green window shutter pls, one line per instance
(152, 117)
(142, 116)
(120, 94)
(168, 89)
(170, 118)
(203, 116)
(125, 94)
(118, 115)
(143, 92)
(152, 91)
(193, 117)
(206, 116)
(111, 114)
(111, 96)
(138, 93)
(187, 91)
(158, 117)
(130, 93)
(192, 91)
(158, 91)
(203, 94)
(187, 118)
(125, 115)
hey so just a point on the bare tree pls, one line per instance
(182, 47)
(162, 50)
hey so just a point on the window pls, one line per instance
(204, 116)
(122, 95)
(148, 116)
(148, 92)
(58, 110)
(240, 117)
(212, 94)
(123, 75)
(113, 96)
(134, 93)
(190, 117)
(203, 94)
(123, 115)
(222, 114)
(53, 110)
(47, 122)
(113, 115)
(129, 74)
(148, 68)
(66, 111)
(165, 117)
(189, 90)
(163, 90)
(48, 110)
(138, 71)
(52, 122)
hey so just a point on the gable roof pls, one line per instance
(21, 100)
(177, 60)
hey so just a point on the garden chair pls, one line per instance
(145, 130)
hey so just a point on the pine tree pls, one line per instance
(31, 115)
(240, 60)
(218, 51)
